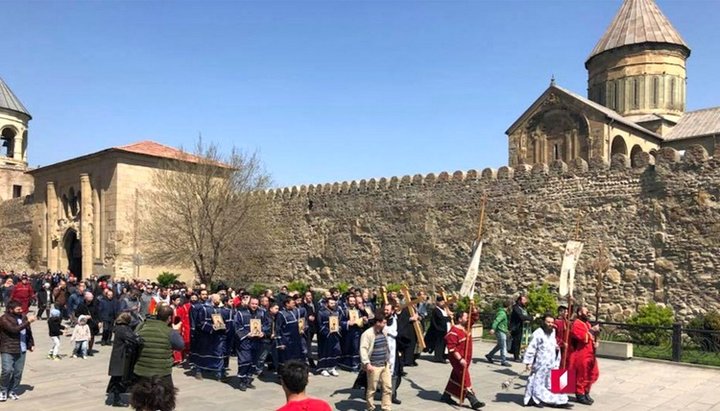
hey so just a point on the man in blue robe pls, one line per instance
(248, 342)
(352, 323)
(287, 328)
(210, 338)
(329, 349)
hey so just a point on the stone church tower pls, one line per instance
(638, 67)
(14, 118)
(636, 99)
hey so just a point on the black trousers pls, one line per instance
(107, 331)
(516, 337)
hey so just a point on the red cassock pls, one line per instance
(184, 313)
(560, 332)
(456, 340)
(582, 356)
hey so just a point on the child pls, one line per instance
(55, 328)
(81, 336)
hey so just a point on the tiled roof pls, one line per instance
(638, 21)
(151, 148)
(695, 124)
(9, 101)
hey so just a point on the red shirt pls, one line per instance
(308, 404)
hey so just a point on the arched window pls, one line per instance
(7, 137)
(634, 152)
(616, 96)
(618, 146)
(635, 93)
(655, 91)
(672, 92)
(611, 97)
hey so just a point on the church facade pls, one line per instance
(636, 99)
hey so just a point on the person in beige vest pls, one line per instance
(375, 358)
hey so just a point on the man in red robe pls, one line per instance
(182, 314)
(560, 327)
(459, 346)
(582, 360)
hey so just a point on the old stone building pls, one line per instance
(14, 118)
(635, 101)
(92, 210)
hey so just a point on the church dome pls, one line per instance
(638, 22)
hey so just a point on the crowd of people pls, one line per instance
(152, 329)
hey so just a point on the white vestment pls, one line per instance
(543, 354)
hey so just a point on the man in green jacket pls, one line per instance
(500, 329)
(160, 338)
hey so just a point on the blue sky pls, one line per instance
(325, 90)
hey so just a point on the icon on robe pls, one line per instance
(218, 322)
(334, 324)
(301, 325)
(255, 327)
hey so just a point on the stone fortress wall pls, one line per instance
(17, 244)
(659, 221)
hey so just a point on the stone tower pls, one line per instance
(14, 118)
(638, 67)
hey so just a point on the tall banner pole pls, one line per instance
(567, 281)
(468, 290)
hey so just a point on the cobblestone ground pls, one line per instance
(75, 384)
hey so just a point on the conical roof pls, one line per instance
(9, 101)
(637, 22)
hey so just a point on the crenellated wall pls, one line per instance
(660, 222)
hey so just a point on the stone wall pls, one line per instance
(17, 217)
(660, 223)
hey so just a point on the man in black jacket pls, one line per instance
(108, 310)
(518, 317)
(90, 307)
(439, 326)
(45, 300)
(16, 339)
(311, 320)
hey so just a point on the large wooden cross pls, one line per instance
(412, 312)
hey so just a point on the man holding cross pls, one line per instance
(459, 345)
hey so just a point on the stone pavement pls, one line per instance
(76, 384)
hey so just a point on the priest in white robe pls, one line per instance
(541, 356)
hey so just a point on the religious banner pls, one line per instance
(301, 325)
(255, 327)
(567, 271)
(334, 324)
(468, 286)
(218, 322)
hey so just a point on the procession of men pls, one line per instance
(368, 333)
(374, 335)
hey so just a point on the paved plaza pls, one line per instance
(76, 384)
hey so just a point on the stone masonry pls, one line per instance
(659, 221)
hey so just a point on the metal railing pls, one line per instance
(673, 343)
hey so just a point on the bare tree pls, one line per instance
(204, 210)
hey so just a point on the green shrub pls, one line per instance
(257, 289)
(166, 279)
(541, 300)
(463, 303)
(299, 286)
(393, 287)
(343, 287)
(652, 315)
(706, 341)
